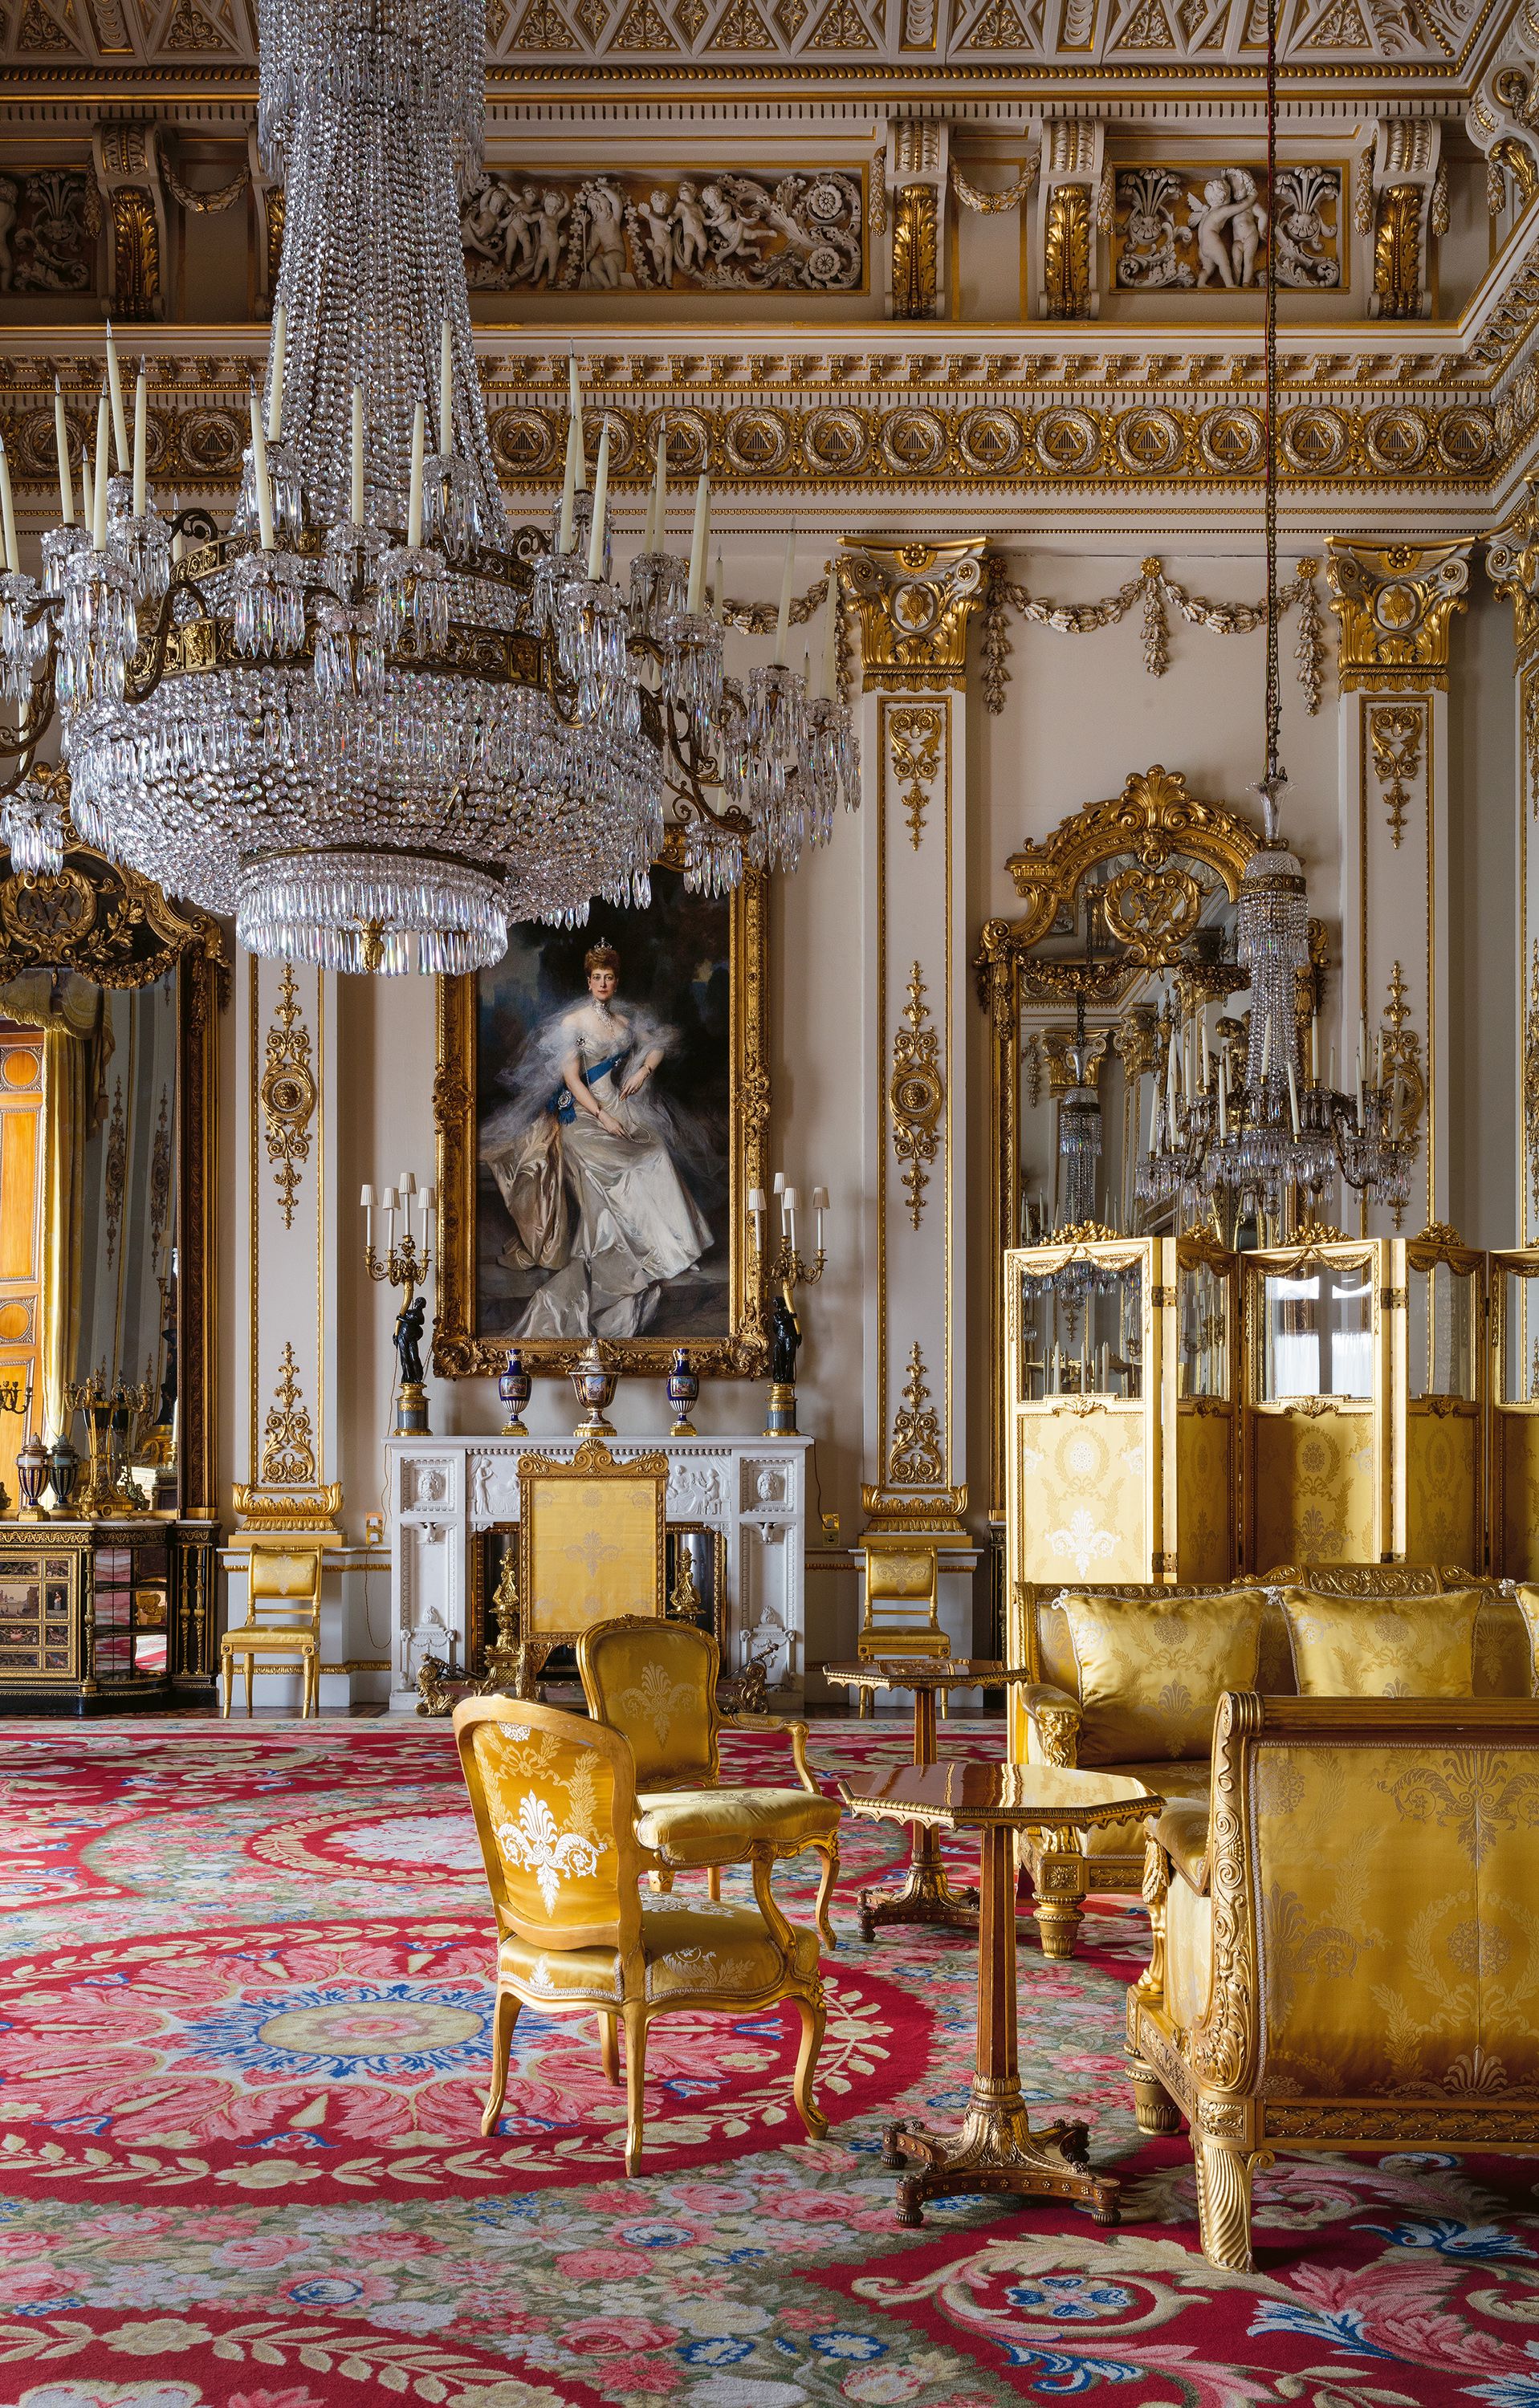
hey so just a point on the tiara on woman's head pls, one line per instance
(601, 957)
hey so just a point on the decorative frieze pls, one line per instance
(49, 218)
(714, 230)
(1206, 229)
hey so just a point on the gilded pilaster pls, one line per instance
(1396, 604)
(914, 602)
(1512, 560)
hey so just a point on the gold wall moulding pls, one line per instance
(716, 229)
(197, 443)
(1396, 603)
(914, 1457)
(288, 1093)
(1397, 738)
(915, 601)
(914, 738)
(1512, 564)
(1152, 819)
(1201, 228)
(313, 1512)
(288, 1435)
(916, 1094)
(1068, 238)
(916, 249)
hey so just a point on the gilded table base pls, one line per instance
(925, 1896)
(997, 2151)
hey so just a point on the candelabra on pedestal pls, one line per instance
(110, 1413)
(789, 1273)
(405, 1266)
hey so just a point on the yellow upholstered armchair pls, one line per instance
(656, 1683)
(1348, 1959)
(902, 1602)
(553, 1796)
(1128, 1678)
(281, 1632)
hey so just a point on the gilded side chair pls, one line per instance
(554, 1796)
(902, 1603)
(656, 1683)
(281, 1632)
(1344, 1957)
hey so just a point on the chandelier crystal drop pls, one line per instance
(371, 720)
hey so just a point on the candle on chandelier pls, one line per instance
(387, 1213)
(788, 1202)
(1293, 1100)
(657, 516)
(820, 1206)
(698, 538)
(1223, 1106)
(414, 494)
(259, 476)
(366, 1201)
(140, 431)
(8, 512)
(275, 372)
(98, 489)
(828, 683)
(114, 386)
(574, 404)
(1314, 1049)
(357, 501)
(1207, 1058)
(1266, 1047)
(446, 388)
(600, 504)
(718, 592)
(783, 623)
(568, 489)
(179, 537)
(60, 439)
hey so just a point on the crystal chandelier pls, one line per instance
(370, 720)
(1246, 1131)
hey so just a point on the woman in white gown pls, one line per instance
(582, 1161)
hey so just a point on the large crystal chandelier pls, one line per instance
(370, 720)
(1245, 1131)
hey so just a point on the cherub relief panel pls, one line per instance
(1206, 229)
(609, 233)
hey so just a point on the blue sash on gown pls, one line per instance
(561, 1103)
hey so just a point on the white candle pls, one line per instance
(88, 490)
(828, 684)
(275, 372)
(139, 435)
(357, 500)
(414, 497)
(114, 386)
(366, 1200)
(783, 623)
(1207, 1063)
(1266, 1046)
(98, 490)
(697, 543)
(755, 1199)
(1293, 1099)
(718, 591)
(387, 1210)
(657, 523)
(178, 540)
(446, 387)
(60, 439)
(1314, 1049)
(259, 477)
(820, 1206)
(788, 1202)
(601, 503)
(574, 409)
(568, 491)
(1223, 1105)
(8, 512)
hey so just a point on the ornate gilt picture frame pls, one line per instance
(501, 1134)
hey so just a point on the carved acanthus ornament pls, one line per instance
(126, 155)
(1073, 162)
(915, 739)
(1408, 209)
(288, 1439)
(1403, 1049)
(1512, 564)
(914, 602)
(913, 1458)
(916, 249)
(916, 1094)
(1397, 736)
(1396, 603)
(288, 1093)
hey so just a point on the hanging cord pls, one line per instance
(1273, 692)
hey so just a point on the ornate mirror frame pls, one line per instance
(1152, 909)
(117, 929)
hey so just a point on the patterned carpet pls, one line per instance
(244, 2014)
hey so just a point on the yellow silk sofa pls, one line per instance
(1348, 1959)
(1048, 1721)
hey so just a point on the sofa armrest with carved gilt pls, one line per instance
(1053, 1720)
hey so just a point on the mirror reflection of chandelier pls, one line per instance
(1248, 1131)
(370, 720)
(1079, 1128)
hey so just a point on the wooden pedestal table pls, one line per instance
(927, 1896)
(996, 2150)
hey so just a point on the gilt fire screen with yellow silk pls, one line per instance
(590, 1539)
(1514, 1511)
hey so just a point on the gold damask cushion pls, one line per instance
(654, 1686)
(1527, 1606)
(718, 1827)
(1383, 1646)
(1152, 1670)
(689, 1945)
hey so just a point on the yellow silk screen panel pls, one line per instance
(1204, 1489)
(1083, 1495)
(1394, 1891)
(1314, 1497)
(1444, 1513)
(593, 1551)
(1518, 1436)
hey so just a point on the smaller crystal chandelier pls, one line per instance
(1244, 1132)
(1079, 1128)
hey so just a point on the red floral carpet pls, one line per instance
(243, 2017)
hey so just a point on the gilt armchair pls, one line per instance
(1346, 1959)
(1130, 1723)
(553, 1796)
(656, 1683)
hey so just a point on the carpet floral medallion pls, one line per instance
(243, 2038)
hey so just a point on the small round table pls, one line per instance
(925, 1896)
(996, 2150)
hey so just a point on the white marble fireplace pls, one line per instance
(444, 1492)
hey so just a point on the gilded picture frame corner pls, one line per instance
(741, 1350)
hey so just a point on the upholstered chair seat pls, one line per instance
(554, 1796)
(1343, 1956)
(655, 1682)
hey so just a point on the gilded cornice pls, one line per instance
(1512, 562)
(1396, 603)
(915, 601)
